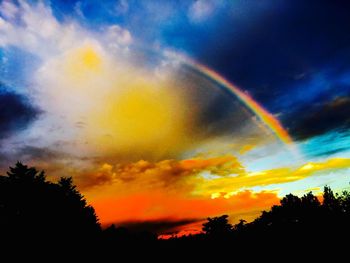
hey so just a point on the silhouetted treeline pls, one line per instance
(50, 216)
(299, 227)
(36, 212)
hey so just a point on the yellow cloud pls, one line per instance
(140, 114)
(184, 176)
(223, 165)
(128, 112)
(144, 119)
(232, 184)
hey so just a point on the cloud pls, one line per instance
(35, 24)
(161, 206)
(247, 41)
(335, 143)
(163, 174)
(94, 11)
(229, 185)
(8, 9)
(122, 7)
(210, 178)
(92, 76)
(34, 154)
(118, 35)
(172, 189)
(86, 76)
(100, 176)
(183, 230)
(200, 10)
(176, 191)
(246, 148)
(331, 115)
(158, 226)
(16, 112)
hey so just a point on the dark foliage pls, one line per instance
(217, 227)
(37, 213)
(297, 228)
(34, 210)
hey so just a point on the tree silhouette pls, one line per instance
(34, 209)
(330, 200)
(217, 226)
(240, 226)
(38, 213)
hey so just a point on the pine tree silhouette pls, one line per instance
(33, 209)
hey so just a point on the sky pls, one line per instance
(169, 112)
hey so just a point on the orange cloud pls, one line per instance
(223, 165)
(159, 205)
(246, 148)
(173, 191)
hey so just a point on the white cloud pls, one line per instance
(118, 35)
(78, 10)
(52, 84)
(8, 10)
(37, 31)
(122, 7)
(200, 10)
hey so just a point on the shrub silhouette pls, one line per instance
(34, 209)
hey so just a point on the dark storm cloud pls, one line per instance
(331, 152)
(321, 119)
(286, 43)
(158, 226)
(39, 153)
(30, 155)
(16, 112)
(292, 61)
(276, 51)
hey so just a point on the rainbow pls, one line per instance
(267, 118)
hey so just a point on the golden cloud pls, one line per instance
(274, 176)
(161, 174)
(185, 176)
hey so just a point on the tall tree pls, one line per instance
(217, 226)
(34, 209)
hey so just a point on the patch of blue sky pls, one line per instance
(334, 144)
(16, 68)
(270, 156)
(330, 145)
